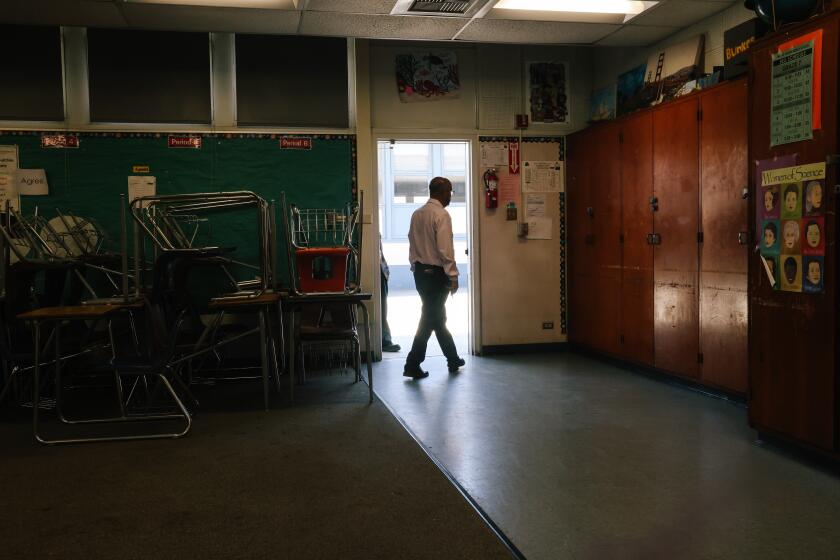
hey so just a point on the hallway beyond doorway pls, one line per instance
(405, 168)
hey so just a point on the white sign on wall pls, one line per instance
(8, 159)
(32, 182)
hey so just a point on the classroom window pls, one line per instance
(291, 81)
(148, 76)
(33, 88)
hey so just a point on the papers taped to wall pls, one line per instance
(8, 159)
(543, 176)
(539, 228)
(8, 192)
(140, 186)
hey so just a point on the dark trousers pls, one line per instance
(386, 330)
(433, 286)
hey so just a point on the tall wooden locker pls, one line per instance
(723, 252)
(793, 362)
(580, 268)
(675, 186)
(605, 202)
(636, 155)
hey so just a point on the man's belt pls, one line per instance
(421, 266)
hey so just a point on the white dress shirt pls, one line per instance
(430, 238)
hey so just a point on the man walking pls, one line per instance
(432, 257)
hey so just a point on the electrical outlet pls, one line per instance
(548, 325)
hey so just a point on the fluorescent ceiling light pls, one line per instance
(268, 4)
(628, 7)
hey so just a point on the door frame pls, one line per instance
(473, 198)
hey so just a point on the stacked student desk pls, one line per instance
(44, 315)
(263, 305)
(294, 303)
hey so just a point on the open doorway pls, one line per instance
(405, 169)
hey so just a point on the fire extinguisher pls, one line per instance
(491, 188)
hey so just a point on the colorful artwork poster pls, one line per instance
(628, 88)
(791, 277)
(548, 92)
(813, 268)
(796, 240)
(602, 104)
(427, 76)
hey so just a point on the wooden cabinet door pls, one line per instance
(792, 336)
(606, 225)
(723, 256)
(637, 254)
(580, 150)
(675, 184)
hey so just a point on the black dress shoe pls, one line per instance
(454, 365)
(390, 347)
(415, 372)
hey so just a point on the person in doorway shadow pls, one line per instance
(384, 274)
(432, 257)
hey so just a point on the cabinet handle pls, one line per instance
(654, 239)
(743, 237)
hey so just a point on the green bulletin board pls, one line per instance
(89, 180)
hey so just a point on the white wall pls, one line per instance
(610, 62)
(492, 88)
(493, 79)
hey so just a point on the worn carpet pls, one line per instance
(328, 477)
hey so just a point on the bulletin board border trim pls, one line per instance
(163, 134)
(533, 139)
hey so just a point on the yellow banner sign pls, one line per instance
(795, 174)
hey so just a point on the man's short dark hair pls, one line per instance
(772, 227)
(792, 189)
(438, 185)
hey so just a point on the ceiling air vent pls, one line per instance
(439, 6)
(452, 8)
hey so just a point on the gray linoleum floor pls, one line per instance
(574, 458)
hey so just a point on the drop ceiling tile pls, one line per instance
(637, 36)
(81, 13)
(535, 32)
(380, 26)
(679, 13)
(191, 18)
(352, 6)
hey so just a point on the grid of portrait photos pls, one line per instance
(792, 237)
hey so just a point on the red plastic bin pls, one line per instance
(322, 269)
